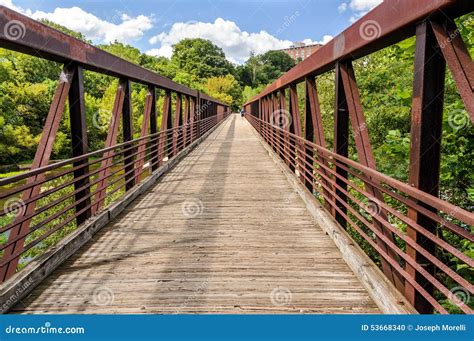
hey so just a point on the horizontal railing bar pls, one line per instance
(57, 201)
(281, 144)
(455, 211)
(70, 207)
(62, 163)
(450, 226)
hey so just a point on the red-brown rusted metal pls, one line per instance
(178, 120)
(366, 158)
(42, 157)
(341, 142)
(295, 123)
(110, 141)
(46, 42)
(412, 266)
(166, 123)
(390, 187)
(314, 130)
(127, 134)
(79, 140)
(144, 132)
(425, 149)
(458, 59)
(185, 121)
(395, 20)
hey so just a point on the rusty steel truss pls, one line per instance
(409, 259)
(90, 178)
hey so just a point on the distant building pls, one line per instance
(300, 51)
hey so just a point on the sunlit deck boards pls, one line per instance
(222, 232)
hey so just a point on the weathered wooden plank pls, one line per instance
(222, 232)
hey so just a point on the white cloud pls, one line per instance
(359, 7)
(164, 51)
(235, 43)
(94, 28)
(323, 41)
(10, 4)
(342, 7)
(364, 5)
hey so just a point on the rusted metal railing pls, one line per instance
(46, 203)
(402, 223)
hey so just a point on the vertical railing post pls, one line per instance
(295, 128)
(178, 120)
(265, 118)
(457, 58)
(314, 132)
(79, 142)
(127, 131)
(198, 114)
(166, 123)
(186, 121)
(309, 134)
(286, 123)
(41, 159)
(366, 158)
(141, 154)
(425, 149)
(192, 118)
(110, 141)
(341, 142)
(153, 130)
(272, 122)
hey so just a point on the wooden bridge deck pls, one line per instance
(222, 232)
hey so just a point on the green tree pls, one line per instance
(201, 58)
(225, 88)
(264, 69)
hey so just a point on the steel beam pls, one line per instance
(166, 123)
(425, 151)
(149, 100)
(79, 141)
(127, 133)
(458, 59)
(341, 142)
(390, 22)
(41, 159)
(178, 121)
(314, 132)
(366, 158)
(109, 142)
(153, 129)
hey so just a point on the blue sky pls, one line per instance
(236, 26)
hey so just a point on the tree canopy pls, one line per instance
(201, 58)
